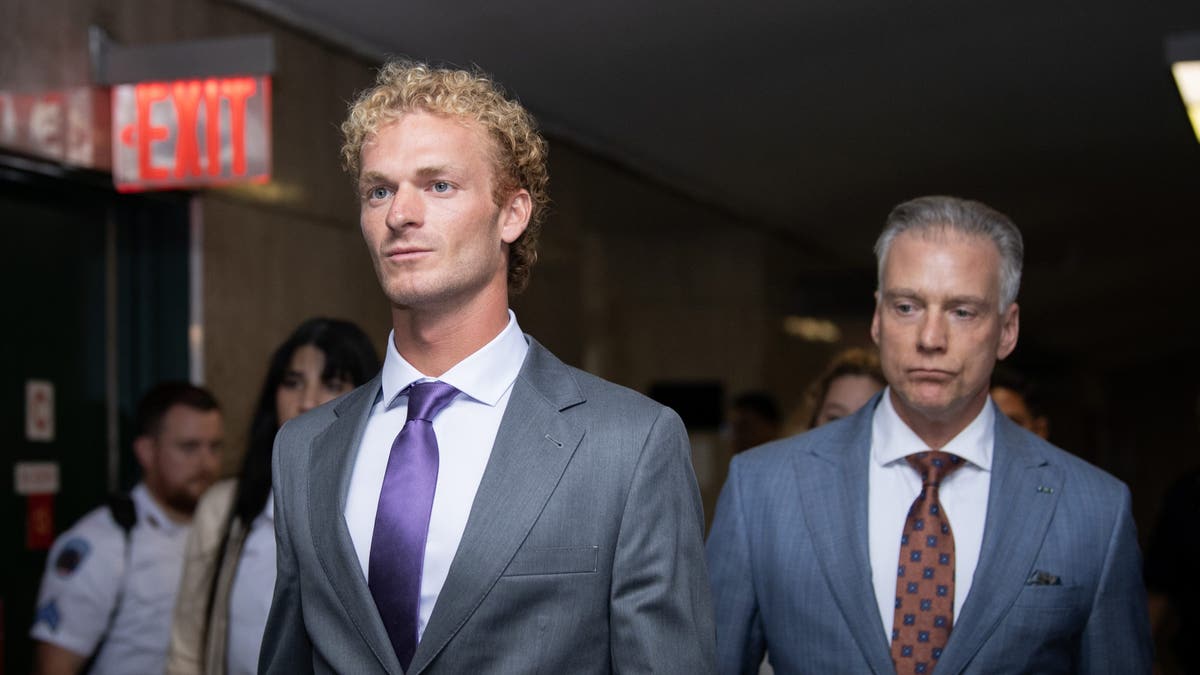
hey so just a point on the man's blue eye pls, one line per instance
(378, 193)
(441, 186)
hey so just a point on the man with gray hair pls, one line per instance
(928, 531)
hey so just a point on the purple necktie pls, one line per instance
(402, 520)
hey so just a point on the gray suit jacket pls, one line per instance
(583, 552)
(788, 557)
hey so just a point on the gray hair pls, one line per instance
(938, 214)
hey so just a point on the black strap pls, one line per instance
(122, 510)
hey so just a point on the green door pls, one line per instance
(76, 256)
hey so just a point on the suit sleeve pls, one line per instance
(286, 647)
(1117, 638)
(661, 610)
(740, 644)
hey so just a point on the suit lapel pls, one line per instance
(832, 480)
(1022, 497)
(532, 449)
(331, 464)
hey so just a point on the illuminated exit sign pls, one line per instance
(191, 133)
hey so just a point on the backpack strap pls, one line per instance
(123, 511)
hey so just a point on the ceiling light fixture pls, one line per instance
(812, 329)
(1183, 53)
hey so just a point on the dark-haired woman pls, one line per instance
(229, 568)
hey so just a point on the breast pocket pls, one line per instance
(1046, 617)
(1050, 597)
(558, 560)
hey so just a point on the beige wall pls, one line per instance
(640, 284)
(265, 271)
(277, 254)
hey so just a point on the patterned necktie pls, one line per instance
(925, 575)
(402, 521)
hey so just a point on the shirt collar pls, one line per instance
(150, 512)
(484, 375)
(893, 440)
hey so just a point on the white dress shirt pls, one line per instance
(250, 596)
(465, 429)
(893, 485)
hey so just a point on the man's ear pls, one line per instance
(514, 216)
(875, 321)
(144, 448)
(1010, 325)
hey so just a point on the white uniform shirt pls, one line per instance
(465, 429)
(893, 485)
(250, 596)
(87, 572)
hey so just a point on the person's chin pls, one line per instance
(184, 502)
(926, 399)
(197, 489)
(408, 289)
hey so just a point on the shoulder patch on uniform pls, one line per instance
(71, 556)
(48, 614)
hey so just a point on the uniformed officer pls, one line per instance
(111, 580)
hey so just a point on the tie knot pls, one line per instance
(427, 399)
(934, 465)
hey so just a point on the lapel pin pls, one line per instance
(554, 440)
(1045, 490)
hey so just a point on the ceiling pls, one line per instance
(814, 118)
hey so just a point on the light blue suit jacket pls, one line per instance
(790, 569)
